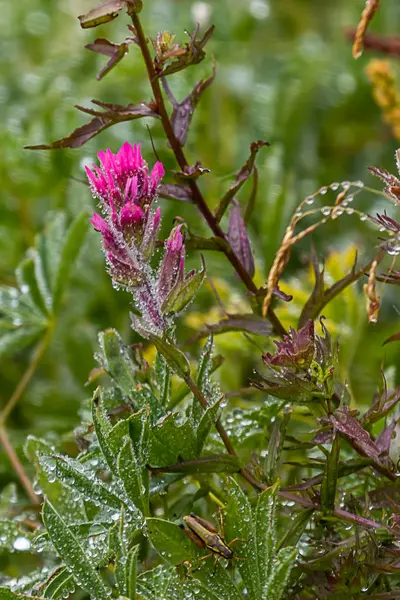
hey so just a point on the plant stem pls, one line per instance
(25, 379)
(5, 413)
(16, 463)
(183, 163)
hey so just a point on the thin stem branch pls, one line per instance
(17, 466)
(25, 379)
(9, 407)
(183, 163)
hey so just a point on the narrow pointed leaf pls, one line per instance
(72, 554)
(218, 463)
(131, 473)
(329, 482)
(116, 52)
(27, 280)
(175, 358)
(207, 422)
(239, 239)
(296, 528)
(241, 177)
(266, 532)
(130, 572)
(102, 427)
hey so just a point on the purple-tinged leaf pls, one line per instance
(381, 406)
(191, 172)
(238, 238)
(385, 437)
(183, 111)
(241, 177)
(296, 350)
(102, 13)
(354, 433)
(282, 295)
(172, 191)
(116, 52)
(248, 322)
(115, 113)
(392, 277)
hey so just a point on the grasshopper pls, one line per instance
(205, 535)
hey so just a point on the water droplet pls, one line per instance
(323, 190)
(326, 210)
(21, 543)
(310, 200)
(334, 186)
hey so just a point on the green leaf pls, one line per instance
(173, 438)
(183, 293)
(102, 427)
(73, 555)
(47, 257)
(15, 340)
(296, 528)
(26, 279)
(117, 362)
(275, 446)
(71, 473)
(60, 585)
(266, 532)
(240, 523)
(218, 463)
(171, 542)
(329, 482)
(61, 496)
(72, 244)
(208, 420)
(134, 475)
(175, 358)
(163, 379)
(130, 572)
(278, 580)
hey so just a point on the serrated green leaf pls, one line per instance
(183, 293)
(71, 246)
(117, 361)
(134, 476)
(175, 358)
(72, 554)
(330, 478)
(47, 256)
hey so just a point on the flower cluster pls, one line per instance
(302, 367)
(129, 227)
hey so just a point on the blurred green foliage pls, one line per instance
(285, 74)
